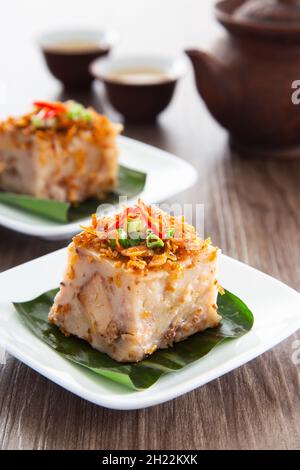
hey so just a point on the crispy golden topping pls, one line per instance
(142, 238)
(65, 119)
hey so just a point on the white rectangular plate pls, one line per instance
(167, 175)
(275, 306)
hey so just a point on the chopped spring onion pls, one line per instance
(77, 112)
(39, 122)
(124, 241)
(134, 228)
(153, 241)
(170, 232)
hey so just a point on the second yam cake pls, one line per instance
(59, 151)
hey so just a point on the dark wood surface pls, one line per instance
(251, 212)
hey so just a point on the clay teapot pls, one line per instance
(249, 80)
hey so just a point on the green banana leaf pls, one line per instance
(237, 320)
(130, 184)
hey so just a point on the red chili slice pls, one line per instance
(156, 225)
(50, 113)
(57, 107)
(115, 224)
(122, 218)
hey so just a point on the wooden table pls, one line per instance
(251, 211)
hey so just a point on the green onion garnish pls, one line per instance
(124, 241)
(77, 112)
(153, 241)
(170, 232)
(39, 122)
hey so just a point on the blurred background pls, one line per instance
(143, 27)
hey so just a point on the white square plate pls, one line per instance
(167, 175)
(275, 306)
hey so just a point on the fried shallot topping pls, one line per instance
(142, 238)
(50, 118)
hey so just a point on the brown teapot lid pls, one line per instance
(269, 11)
(274, 19)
